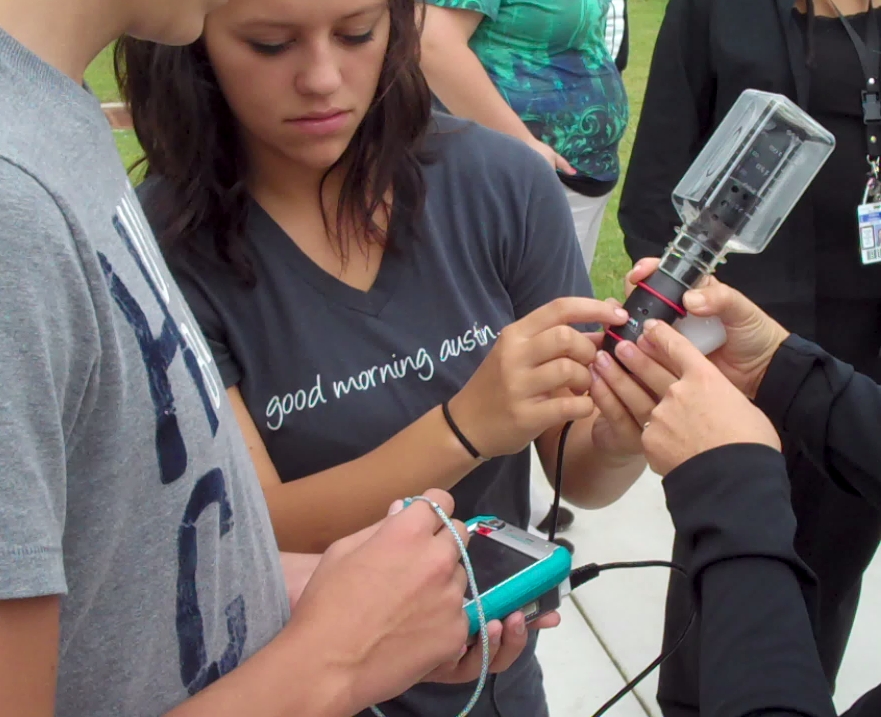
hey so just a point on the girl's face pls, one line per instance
(299, 75)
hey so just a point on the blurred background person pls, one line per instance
(541, 72)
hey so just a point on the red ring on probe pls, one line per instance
(681, 311)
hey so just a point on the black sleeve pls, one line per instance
(869, 705)
(758, 656)
(674, 122)
(832, 411)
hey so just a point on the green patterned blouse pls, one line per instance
(548, 59)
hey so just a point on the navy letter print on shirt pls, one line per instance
(158, 353)
(196, 675)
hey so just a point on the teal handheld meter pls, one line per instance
(514, 570)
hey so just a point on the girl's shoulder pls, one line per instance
(473, 157)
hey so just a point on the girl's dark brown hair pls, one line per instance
(191, 141)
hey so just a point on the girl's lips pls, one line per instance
(321, 125)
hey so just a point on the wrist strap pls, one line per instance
(445, 407)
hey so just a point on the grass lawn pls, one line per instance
(611, 262)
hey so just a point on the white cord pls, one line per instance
(481, 617)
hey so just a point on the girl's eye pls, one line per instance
(262, 48)
(357, 39)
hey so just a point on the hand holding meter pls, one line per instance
(510, 570)
(735, 195)
(515, 570)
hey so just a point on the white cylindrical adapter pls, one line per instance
(706, 333)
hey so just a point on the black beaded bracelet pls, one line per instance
(445, 407)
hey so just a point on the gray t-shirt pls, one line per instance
(330, 372)
(125, 485)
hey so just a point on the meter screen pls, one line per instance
(494, 562)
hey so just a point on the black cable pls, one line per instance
(558, 482)
(584, 574)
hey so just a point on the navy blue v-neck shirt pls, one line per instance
(329, 372)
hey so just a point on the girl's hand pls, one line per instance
(536, 377)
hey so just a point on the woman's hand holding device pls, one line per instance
(535, 378)
(701, 410)
(753, 337)
(625, 400)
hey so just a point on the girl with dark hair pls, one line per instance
(394, 300)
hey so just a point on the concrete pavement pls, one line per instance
(612, 626)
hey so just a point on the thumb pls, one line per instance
(641, 271)
(670, 348)
(396, 508)
(717, 299)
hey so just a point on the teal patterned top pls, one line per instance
(549, 60)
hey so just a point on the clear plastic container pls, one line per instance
(745, 181)
(737, 192)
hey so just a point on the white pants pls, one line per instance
(587, 212)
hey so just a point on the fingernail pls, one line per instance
(495, 640)
(695, 300)
(396, 507)
(463, 651)
(626, 350)
(603, 359)
(650, 325)
(520, 627)
(621, 314)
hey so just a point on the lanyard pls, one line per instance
(870, 58)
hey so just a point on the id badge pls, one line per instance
(869, 219)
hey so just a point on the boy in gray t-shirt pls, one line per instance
(138, 566)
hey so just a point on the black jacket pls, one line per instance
(707, 53)
(755, 595)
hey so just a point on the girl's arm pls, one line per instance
(594, 475)
(533, 378)
(311, 513)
